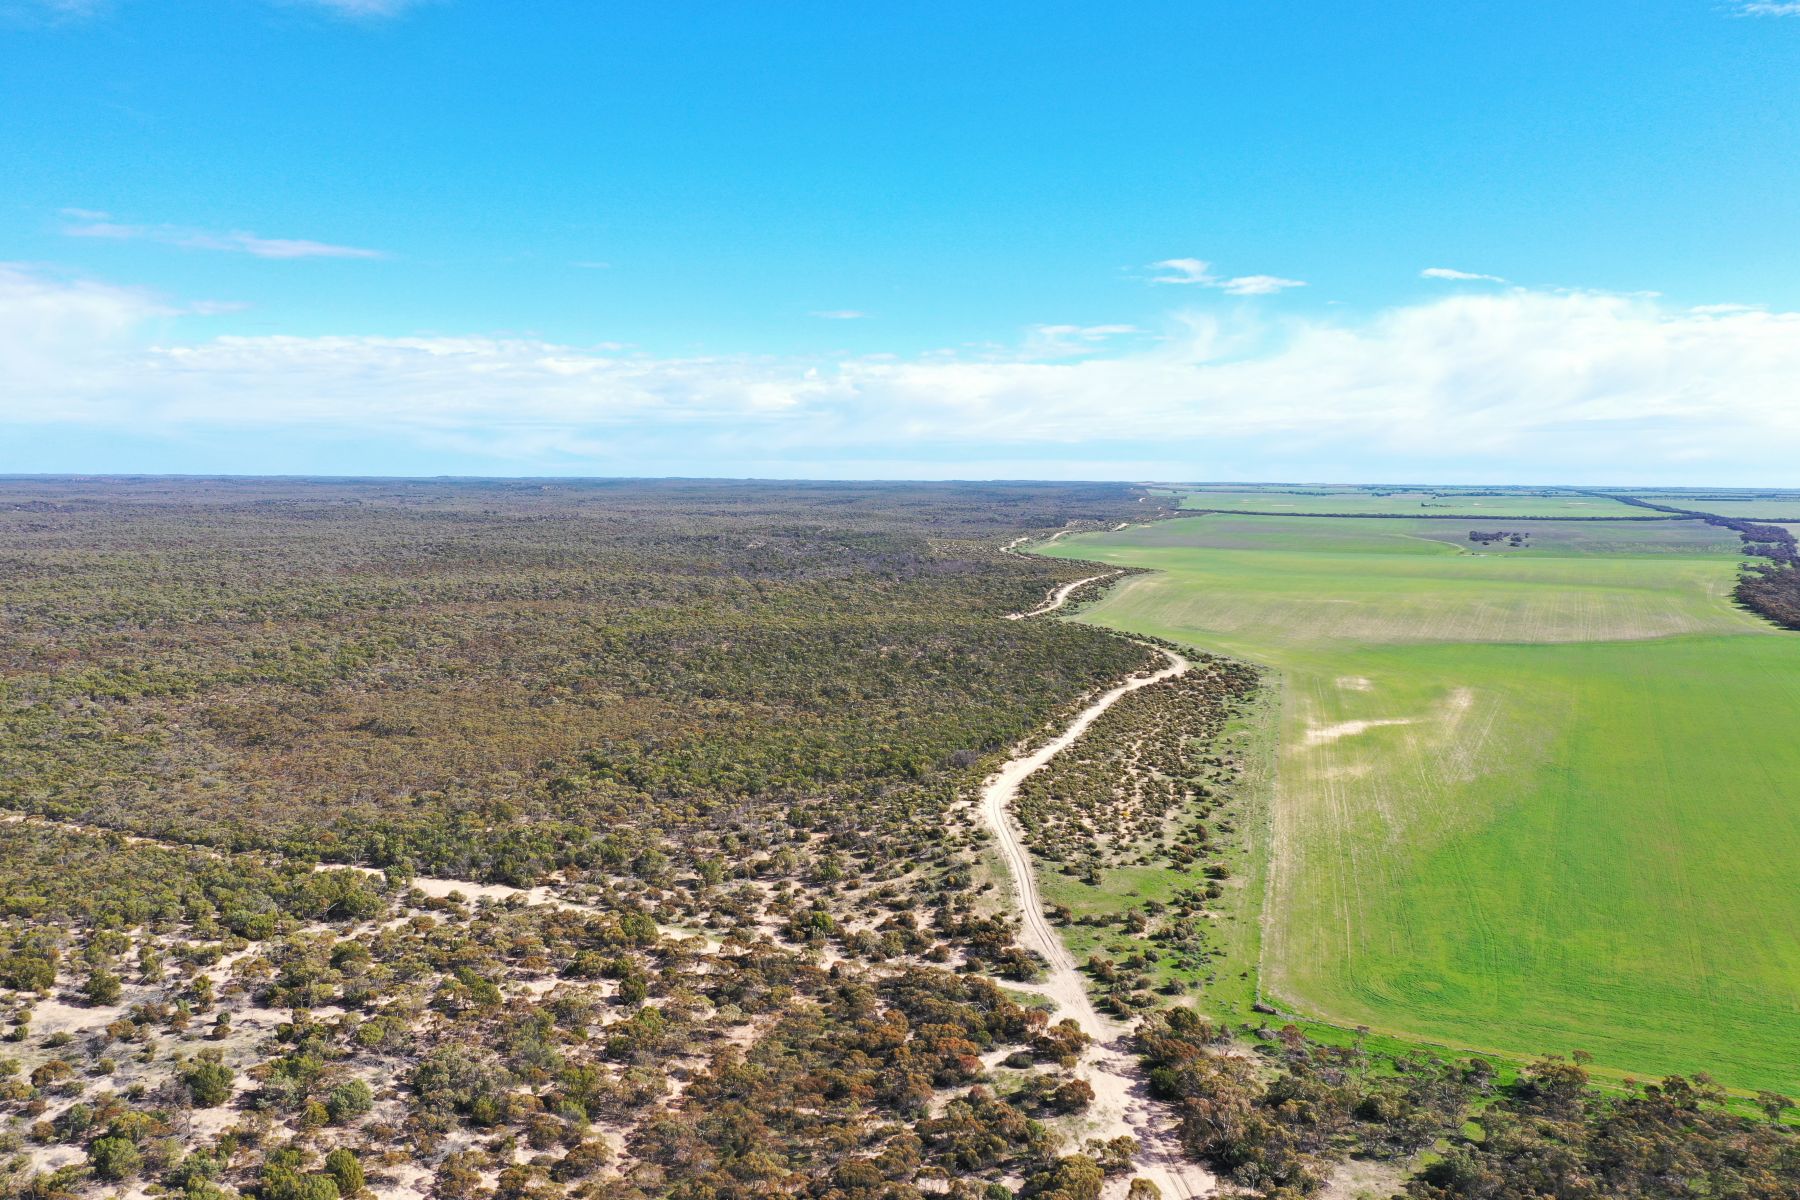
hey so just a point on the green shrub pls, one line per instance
(102, 987)
(345, 1170)
(114, 1158)
(208, 1082)
(286, 1183)
(347, 1101)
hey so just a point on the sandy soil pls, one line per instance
(1363, 1179)
(1318, 735)
(1122, 1104)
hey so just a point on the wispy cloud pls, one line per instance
(1453, 273)
(86, 223)
(1768, 8)
(1183, 270)
(1085, 333)
(1258, 285)
(1198, 272)
(1065, 341)
(51, 11)
(1521, 383)
(41, 13)
(839, 314)
(362, 10)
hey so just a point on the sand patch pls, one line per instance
(1363, 1179)
(1319, 735)
(54, 1016)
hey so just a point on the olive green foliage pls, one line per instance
(345, 1171)
(482, 679)
(1276, 1124)
(114, 1158)
(349, 1100)
(1114, 796)
(208, 1081)
(747, 713)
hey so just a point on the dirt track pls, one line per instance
(1059, 597)
(1122, 1105)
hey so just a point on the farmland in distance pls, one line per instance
(1533, 796)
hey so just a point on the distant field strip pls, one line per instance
(1385, 582)
(1412, 503)
(1762, 508)
(1529, 799)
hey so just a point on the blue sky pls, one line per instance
(1172, 240)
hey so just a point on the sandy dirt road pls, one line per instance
(1122, 1104)
(1059, 597)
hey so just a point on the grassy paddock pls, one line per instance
(1757, 507)
(1528, 800)
(1408, 503)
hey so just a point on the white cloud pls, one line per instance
(65, 338)
(1527, 385)
(1199, 272)
(1769, 8)
(839, 314)
(1086, 333)
(86, 223)
(1453, 273)
(1258, 285)
(1183, 270)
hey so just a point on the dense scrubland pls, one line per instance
(719, 730)
(485, 679)
(489, 840)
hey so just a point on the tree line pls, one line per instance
(1771, 588)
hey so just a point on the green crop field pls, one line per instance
(1529, 799)
(1407, 503)
(1768, 506)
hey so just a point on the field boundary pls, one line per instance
(1420, 516)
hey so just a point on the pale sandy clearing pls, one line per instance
(1318, 735)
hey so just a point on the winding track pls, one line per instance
(1121, 1096)
(1060, 596)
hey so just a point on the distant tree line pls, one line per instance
(1772, 588)
(1407, 516)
